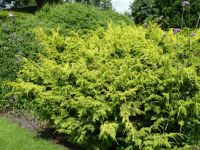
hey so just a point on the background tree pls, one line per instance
(169, 13)
(143, 9)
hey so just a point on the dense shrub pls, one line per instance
(125, 87)
(77, 16)
(17, 37)
(11, 43)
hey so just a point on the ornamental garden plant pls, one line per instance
(124, 87)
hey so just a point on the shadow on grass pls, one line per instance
(52, 135)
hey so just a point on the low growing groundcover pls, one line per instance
(13, 137)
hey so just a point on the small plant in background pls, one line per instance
(186, 5)
(167, 13)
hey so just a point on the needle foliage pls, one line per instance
(124, 87)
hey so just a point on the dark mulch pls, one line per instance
(50, 134)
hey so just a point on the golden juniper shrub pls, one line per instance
(124, 87)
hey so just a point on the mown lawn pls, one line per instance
(13, 137)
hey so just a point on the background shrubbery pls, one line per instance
(14, 40)
(123, 87)
(78, 17)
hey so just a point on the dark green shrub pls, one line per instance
(11, 43)
(78, 17)
(125, 87)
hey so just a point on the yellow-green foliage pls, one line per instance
(17, 38)
(125, 87)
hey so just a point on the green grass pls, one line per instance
(13, 137)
